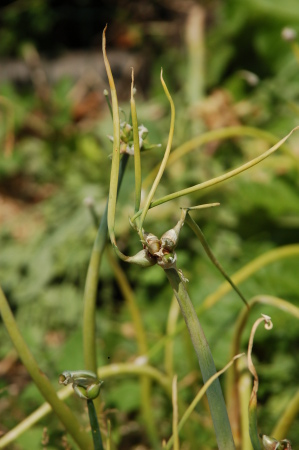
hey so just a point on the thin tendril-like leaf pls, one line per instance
(165, 158)
(194, 227)
(217, 180)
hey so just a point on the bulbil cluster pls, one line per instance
(162, 250)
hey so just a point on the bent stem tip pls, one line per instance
(254, 436)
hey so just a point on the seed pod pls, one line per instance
(142, 258)
(152, 243)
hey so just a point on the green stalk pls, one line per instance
(94, 424)
(142, 347)
(206, 363)
(90, 291)
(137, 160)
(69, 420)
(91, 285)
(217, 180)
(164, 161)
(244, 391)
(173, 314)
(175, 414)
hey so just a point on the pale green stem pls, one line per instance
(217, 180)
(91, 286)
(206, 362)
(137, 160)
(198, 397)
(215, 135)
(173, 314)
(112, 370)
(116, 145)
(175, 414)
(65, 415)
(142, 345)
(287, 418)
(244, 391)
(164, 161)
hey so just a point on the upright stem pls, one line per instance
(66, 416)
(206, 362)
(164, 160)
(91, 285)
(94, 424)
(137, 161)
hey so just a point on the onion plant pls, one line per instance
(129, 139)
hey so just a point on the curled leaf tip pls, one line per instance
(268, 322)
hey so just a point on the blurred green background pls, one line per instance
(226, 64)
